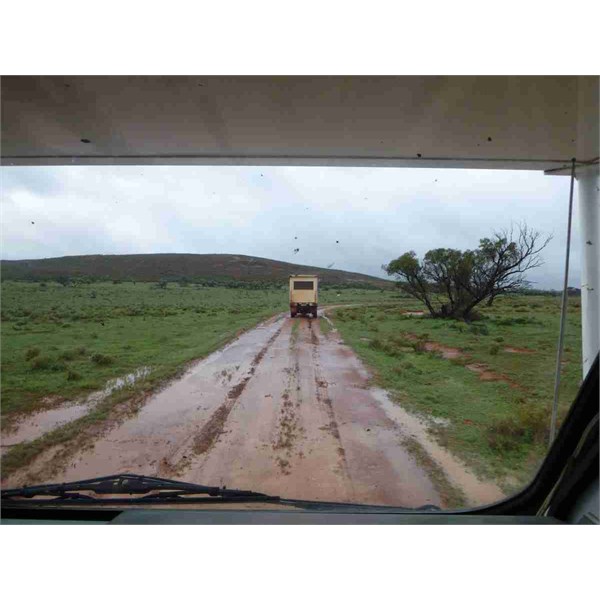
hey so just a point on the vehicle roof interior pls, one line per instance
(464, 122)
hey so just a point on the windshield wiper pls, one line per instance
(111, 488)
(130, 489)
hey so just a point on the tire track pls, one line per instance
(323, 398)
(205, 439)
(289, 429)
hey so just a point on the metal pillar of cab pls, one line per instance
(588, 191)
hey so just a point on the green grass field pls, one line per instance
(499, 427)
(61, 342)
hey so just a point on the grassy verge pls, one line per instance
(450, 495)
(325, 326)
(499, 427)
(294, 333)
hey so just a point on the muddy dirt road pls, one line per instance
(286, 410)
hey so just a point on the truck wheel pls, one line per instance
(314, 313)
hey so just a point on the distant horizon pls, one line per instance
(387, 278)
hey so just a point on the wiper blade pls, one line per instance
(130, 489)
(147, 489)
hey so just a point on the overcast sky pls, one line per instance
(374, 214)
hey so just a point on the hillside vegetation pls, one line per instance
(175, 267)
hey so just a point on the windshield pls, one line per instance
(151, 325)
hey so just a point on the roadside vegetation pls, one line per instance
(485, 386)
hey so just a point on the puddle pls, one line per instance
(34, 425)
(37, 424)
(324, 316)
(117, 384)
(477, 491)
(439, 421)
(413, 313)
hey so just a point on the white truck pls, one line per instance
(304, 295)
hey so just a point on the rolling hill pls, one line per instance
(194, 267)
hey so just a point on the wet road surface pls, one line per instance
(285, 410)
